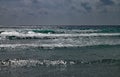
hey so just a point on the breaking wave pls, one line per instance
(59, 37)
(32, 35)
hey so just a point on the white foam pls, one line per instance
(28, 63)
(32, 34)
(62, 42)
(59, 45)
(36, 45)
(10, 33)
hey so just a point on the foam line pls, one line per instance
(32, 34)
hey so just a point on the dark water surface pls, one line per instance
(60, 51)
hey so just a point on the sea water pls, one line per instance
(60, 51)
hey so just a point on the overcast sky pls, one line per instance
(77, 12)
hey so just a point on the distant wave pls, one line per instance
(43, 31)
(52, 31)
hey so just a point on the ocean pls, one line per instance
(60, 51)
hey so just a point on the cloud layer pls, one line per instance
(14, 12)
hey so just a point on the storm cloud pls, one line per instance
(13, 12)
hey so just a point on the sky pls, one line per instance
(59, 12)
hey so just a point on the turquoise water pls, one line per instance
(60, 51)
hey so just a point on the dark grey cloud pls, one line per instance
(86, 6)
(59, 11)
(107, 2)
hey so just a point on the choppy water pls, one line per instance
(60, 51)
